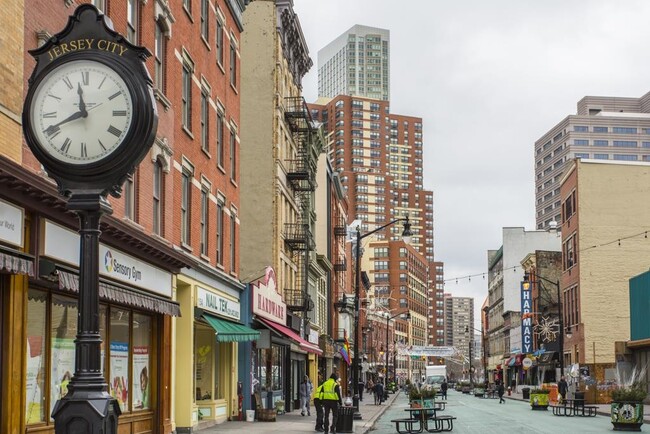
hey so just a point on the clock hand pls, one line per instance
(54, 128)
(94, 107)
(82, 104)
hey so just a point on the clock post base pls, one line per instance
(86, 412)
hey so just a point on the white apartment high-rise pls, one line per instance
(604, 128)
(356, 63)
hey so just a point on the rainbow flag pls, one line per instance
(345, 349)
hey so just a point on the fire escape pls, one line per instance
(301, 174)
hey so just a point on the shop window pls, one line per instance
(36, 354)
(141, 361)
(45, 387)
(119, 357)
(207, 384)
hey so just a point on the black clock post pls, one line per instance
(90, 118)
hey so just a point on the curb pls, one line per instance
(371, 422)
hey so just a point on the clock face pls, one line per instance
(81, 112)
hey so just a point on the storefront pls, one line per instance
(15, 268)
(281, 355)
(207, 341)
(38, 314)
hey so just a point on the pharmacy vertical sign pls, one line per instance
(526, 321)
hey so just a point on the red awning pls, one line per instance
(305, 345)
(507, 362)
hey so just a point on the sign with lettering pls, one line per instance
(211, 302)
(11, 223)
(527, 321)
(63, 244)
(267, 303)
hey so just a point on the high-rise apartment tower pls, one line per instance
(356, 63)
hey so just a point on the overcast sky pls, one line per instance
(489, 78)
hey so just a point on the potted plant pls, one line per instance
(627, 407)
(279, 406)
(415, 397)
(539, 399)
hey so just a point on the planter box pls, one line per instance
(479, 392)
(266, 415)
(627, 416)
(539, 401)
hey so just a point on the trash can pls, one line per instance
(344, 422)
(579, 399)
(526, 393)
(250, 415)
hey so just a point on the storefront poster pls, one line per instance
(63, 352)
(34, 393)
(140, 377)
(120, 373)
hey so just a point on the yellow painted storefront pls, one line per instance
(206, 356)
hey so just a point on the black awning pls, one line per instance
(124, 295)
(15, 262)
(547, 358)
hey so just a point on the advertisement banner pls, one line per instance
(140, 377)
(119, 383)
(63, 352)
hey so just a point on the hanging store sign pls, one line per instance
(63, 244)
(11, 223)
(526, 322)
(267, 303)
(214, 303)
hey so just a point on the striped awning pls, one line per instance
(286, 331)
(119, 294)
(228, 331)
(15, 262)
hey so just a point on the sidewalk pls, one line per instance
(294, 422)
(603, 409)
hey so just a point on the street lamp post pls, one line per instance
(388, 318)
(559, 314)
(406, 234)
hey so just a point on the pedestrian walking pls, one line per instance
(318, 404)
(361, 386)
(562, 388)
(306, 388)
(500, 390)
(331, 398)
(379, 393)
(443, 388)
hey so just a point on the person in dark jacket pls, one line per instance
(562, 388)
(332, 400)
(379, 393)
(500, 390)
(443, 388)
(318, 404)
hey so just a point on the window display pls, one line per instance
(141, 368)
(35, 381)
(119, 357)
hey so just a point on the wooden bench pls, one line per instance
(408, 425)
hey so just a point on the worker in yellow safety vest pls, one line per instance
(331, 398)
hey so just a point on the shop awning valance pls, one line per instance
(228, 331)
(118, 294)
(512, 361)
(286, 331)
(15, 262)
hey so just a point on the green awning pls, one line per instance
(228, 331)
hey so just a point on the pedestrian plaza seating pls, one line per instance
(424, 420)
(574, 407)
